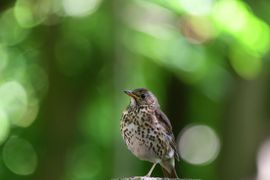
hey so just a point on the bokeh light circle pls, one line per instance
(4, 126)
(263, 161)
(30, 115)
(80, 8)
(11, 32)
(198, 144)
(196, 7)
(28, 13)
(13, 100)
(19, 156)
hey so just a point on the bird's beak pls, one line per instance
(130, 93)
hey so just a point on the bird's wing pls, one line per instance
(163, 119)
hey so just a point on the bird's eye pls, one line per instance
(142, 96)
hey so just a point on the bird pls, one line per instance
(147, 132)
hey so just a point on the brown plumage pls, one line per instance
(148, 132)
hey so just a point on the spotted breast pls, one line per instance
(143, 135)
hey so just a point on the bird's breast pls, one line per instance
(140, 136)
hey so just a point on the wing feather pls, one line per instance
(165, 122)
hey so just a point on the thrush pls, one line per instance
(147, 132)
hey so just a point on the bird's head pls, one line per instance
(142, 96)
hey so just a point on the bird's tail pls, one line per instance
(168, 168)
(173, 173)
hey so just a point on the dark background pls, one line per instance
(63, 64)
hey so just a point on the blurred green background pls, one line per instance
(63, 64)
